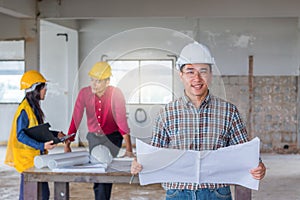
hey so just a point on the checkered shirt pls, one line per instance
(181, 125)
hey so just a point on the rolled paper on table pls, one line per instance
(65, 162)
(42, 160)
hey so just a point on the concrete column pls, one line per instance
(30, 29)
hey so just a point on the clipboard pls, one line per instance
(41, 133)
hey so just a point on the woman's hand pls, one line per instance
(61, 135)
(49, 145)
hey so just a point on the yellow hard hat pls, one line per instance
(31, 77)
(101, 71)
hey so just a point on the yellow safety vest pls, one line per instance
(19, 155)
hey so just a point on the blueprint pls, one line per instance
(230, 165)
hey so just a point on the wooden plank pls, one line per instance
(80, 177)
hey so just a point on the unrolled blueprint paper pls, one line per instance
(162, 165)
(42, 160)
(231, 165)
(87, 168)
(121, 164)
(226, 165)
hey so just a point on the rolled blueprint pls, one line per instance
(101, 154)
(65, 162)
(42, 160)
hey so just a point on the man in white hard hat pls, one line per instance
(198, 121)
(104, 106)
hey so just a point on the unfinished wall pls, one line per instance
(12, 29)
(274, 109)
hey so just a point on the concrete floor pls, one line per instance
(281, 182)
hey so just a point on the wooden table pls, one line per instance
(33, 178)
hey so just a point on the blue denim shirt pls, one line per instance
(22, 123)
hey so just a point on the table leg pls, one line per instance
(32, 190)
(61, 191)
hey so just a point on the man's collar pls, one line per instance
(187, 101)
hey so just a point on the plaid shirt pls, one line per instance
(180, 125)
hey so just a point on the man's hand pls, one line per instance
(135, 167)
(49, 145)
(67, 147)
(259, 172)
(128, 154)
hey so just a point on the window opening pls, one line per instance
(144, 81)
(12, 67)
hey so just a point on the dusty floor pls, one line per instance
(281, 183)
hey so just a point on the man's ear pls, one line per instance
(107, 82)
(180, 75)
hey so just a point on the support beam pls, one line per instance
(19, 9)
(250, 92)
(70, 9)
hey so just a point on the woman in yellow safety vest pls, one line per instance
(21, 149)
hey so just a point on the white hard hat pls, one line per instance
(102, 154)
(194, 53)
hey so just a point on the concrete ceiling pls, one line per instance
(18, 8)
(78, 9)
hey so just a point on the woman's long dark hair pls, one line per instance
(33, 99)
